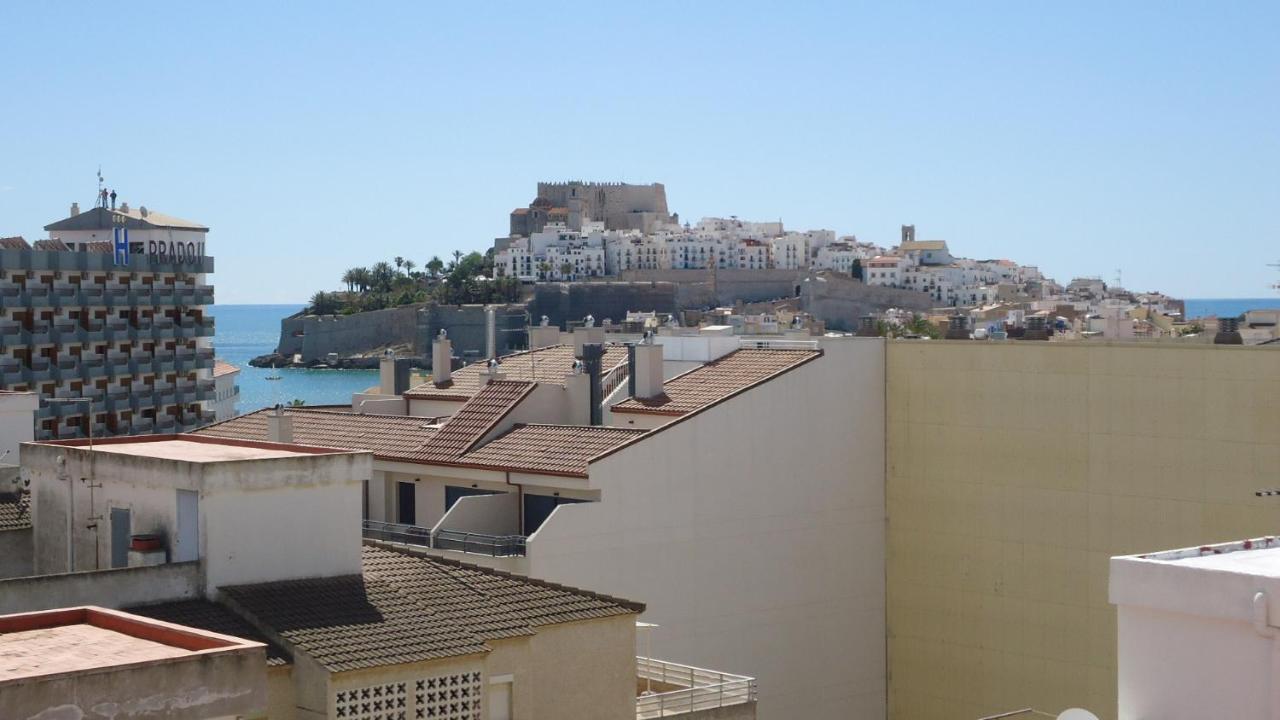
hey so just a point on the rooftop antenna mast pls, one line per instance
(97, 198)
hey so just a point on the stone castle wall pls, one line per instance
(466, 328)
(315, 336)
(565, 303)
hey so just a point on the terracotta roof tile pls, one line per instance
(408, 607)
(17, 242)
(222, 367)
(205, 615)
(465, 427)
(391, 437)
(554, 449)
(545, 365)
(51, 244)
(717, 380)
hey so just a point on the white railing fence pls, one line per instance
(700, 689)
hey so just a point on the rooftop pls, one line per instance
(473, 420)
(1258, 556)
(407, 607)
(717, 380)
(545, 365)
(553, 449)
(99, 218)
(194, 448)
(74, 640)
(222, 367)
(389, 437)
(211, 616)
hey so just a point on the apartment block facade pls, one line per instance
(107, 320)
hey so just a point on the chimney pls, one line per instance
(441, 359)
(279, 426)
(1228, 332)
(490, 333)
(645, 360)
(544, 335)
(592, 355)
(387, 374)
(75, 209)
(492, 372)
(588, 333)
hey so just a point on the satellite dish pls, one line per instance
(1076, 714)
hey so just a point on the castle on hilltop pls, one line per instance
(619, 206)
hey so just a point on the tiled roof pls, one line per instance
(352, 622)
(551, 365)
(53, 244)
(205, 615)
(465, 427)
(101, 246)
(554, 449)
(17, 242)
(410, 608)
(392, 437)
(12, 517)
(923, 245)
(717, 380)
(222, 367)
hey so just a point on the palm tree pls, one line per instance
(435, 265)
(409, 265)
(380, 276)
(363, 278)
(297, 402)
(352, 278)
(399, 262)
(544, 267)
(323, 303)
(566, 269)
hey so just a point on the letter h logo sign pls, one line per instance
(121, 246)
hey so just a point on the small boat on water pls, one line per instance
(272, 377)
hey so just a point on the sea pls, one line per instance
(1228, 307)
(243, 332)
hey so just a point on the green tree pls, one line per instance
(362, 277)
(380, 276)
(409, 265)
(297, 402)
(323, 303)
(544, 267)
(566, 269)
(399, 261)
(350, 278)
(435, 266)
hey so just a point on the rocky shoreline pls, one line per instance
(276, 360)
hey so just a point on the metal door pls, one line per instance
(120, 532)
(186, 544)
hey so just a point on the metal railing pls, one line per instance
(778, 344)
(700, 689)
(479, 543)
(616, 377)
(395, 532)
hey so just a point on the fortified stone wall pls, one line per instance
(839, 300)
(465, 325)
(706, 288)
(315, 336)
(563, 303)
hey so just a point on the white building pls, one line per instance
(1198, 632)
(885, 270)
(226, 390)
(791, 251)
(17, 423)
(839, 256)
(500, 466)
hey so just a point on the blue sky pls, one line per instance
(1081, 137)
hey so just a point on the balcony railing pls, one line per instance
(695, 689)
(478, 543)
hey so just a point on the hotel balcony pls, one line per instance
(456, 540)
(670, 690)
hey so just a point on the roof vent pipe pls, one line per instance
(1228, 332)
(441, 359)
(490, 333)
(279, 426)
(592, 354)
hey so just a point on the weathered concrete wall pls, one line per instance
(839, 300)
(17, 553)
(231, 683)
(117, 588)
(1016, 470)
(705, 288)
(315, 336)
(571, 302)
(466, 327)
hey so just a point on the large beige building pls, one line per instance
(1016, 470)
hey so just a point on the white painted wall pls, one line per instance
(17, 423)
(758, 551)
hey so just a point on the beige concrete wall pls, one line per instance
(1015, 470)
(118, 588)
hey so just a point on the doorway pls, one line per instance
(406, 500)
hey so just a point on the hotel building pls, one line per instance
(109, 315)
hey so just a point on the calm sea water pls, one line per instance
(1228, 307)
(243, 332)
